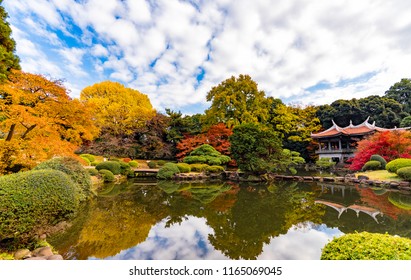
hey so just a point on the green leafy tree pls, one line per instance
(256, 148)
(207, 154)
(8, 60)
(386, 112)
(236, 101)
(406, 122)
(401, 92)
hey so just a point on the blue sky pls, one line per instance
(305, 51)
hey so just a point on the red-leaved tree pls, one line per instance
(388, 144)
(216, 136)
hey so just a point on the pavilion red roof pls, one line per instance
(351, 130)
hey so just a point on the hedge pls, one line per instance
(167, 171)
(78, 174)
(113, 166)
(184, 167)
(92, 171)
(380, 159)
(396, 164)
(133, 163)
(371, 165)
(215, 169)
(198, 167)
(367, 246)
(107, 175)
(34, 199)
(152, 164)
(405, 173)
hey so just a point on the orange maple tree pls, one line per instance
(39, 120)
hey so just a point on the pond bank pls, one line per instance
(241, 177)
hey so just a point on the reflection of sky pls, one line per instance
(189, 240)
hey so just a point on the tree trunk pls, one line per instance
(11, 132)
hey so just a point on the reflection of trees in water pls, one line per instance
(257, 216)
(113, 222)
(395, 221)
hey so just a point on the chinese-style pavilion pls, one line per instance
(339, 143)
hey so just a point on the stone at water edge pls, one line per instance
(43, 252)
(22, 254)
(55, 258)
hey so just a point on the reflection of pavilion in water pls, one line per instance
(372, 212)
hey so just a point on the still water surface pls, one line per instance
(284, 220)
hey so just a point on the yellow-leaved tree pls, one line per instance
(39, 120)
(117, 109)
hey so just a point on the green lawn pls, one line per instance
(380, 175)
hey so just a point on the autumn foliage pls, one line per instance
(216, 136)
(39, 120)
(388, 144)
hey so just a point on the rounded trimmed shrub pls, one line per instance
(405, 173)
(35, 199)
(133, 164)
(113, 166)
(92, 171)
(94, 163)
(86, 161)
(125, 168)
(198, 167)
(107, 175)
(214, 169)
(152, 164)
(195, 159)
(167, 171)
(78, 174)
(161, 162)
(380, 159)
(396, 164)
(184, 167)
(90, 157)
(367, 246)
(371, 165)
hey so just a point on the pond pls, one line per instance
(224, 220)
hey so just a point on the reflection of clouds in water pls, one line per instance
(301, 242)
(189, 240)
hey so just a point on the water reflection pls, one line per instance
(285, 220)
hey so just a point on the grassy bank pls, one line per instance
(380, 175)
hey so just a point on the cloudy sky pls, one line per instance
(302, 51)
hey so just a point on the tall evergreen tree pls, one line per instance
(8, 60)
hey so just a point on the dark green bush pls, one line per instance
(371, 165)
(198, 167)
(133, 164)
(75, 170)
(90, 157)
(367, 246)
(195, 159)
(125, 168)
(92, 171)
(396, 164)
(107, 175)
(405, 173)
(184, 167)
(34, 199)
(206, 154)
(152, 164)
(167, 171)
(161, 162)
(113, 166)
(215, 169)
(380, 159)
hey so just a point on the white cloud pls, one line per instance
(286, 46)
